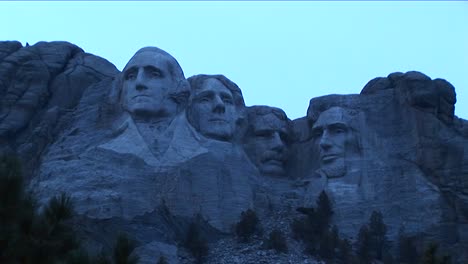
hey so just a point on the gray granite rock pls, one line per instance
(399, 153)
(38, 84)
(147, 151)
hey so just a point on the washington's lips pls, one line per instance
(140, 95)
(273, 162)
(217, 120)
(329, 157)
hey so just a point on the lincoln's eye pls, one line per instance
(316, 133)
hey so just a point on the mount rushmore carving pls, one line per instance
(128, 145)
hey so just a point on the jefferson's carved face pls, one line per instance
(212, 111)
(146, 85)
(266, 144)
(334, 140)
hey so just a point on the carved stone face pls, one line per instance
(212, 111)
(266, 144)
(146, 85)
(334, 140)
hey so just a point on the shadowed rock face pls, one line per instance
(38, 85)
(215, 106)
(334, 140)
(153, 84)
(267, 139)
(146, 150)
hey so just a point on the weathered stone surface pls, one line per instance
(267, 139)
(38, 84)
(146, 151)
(407, 160)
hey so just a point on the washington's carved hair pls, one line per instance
(180, 94)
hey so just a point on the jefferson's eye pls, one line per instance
(228, 100)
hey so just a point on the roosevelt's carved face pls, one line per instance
(334, 140)
(212, 110)
(266, 144)
(146, 85)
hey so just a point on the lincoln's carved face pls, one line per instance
(212, 110)
(147, 83)
(334, 140)
(266, 142)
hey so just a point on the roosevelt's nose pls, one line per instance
(277, 143)
(218, 105)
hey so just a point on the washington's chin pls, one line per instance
(147, 108)
(217, 134)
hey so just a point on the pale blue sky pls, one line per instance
(279, 53)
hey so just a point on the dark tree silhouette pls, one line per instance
(195, 243)
(247, 225)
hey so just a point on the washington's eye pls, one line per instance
(156, 73)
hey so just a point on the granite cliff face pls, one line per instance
(146, 150)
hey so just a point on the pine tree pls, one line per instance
(123, 249)
(408, 252)
(196, 243)
(247, 225)
(430, 255)
(378, 235)
(162, 260)
(277, 241)
(324, 212)
(29, 236)
(345, 252)
(363, 245)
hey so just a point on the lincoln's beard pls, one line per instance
(335, 169)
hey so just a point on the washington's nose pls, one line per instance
(140, 82)
(218, 105)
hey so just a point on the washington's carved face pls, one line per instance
(334, 140)
(212, 111)
(266, 144)
(146, 85)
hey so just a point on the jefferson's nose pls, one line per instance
(277, 143)
(218, 105)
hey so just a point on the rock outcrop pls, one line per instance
(147, 151)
